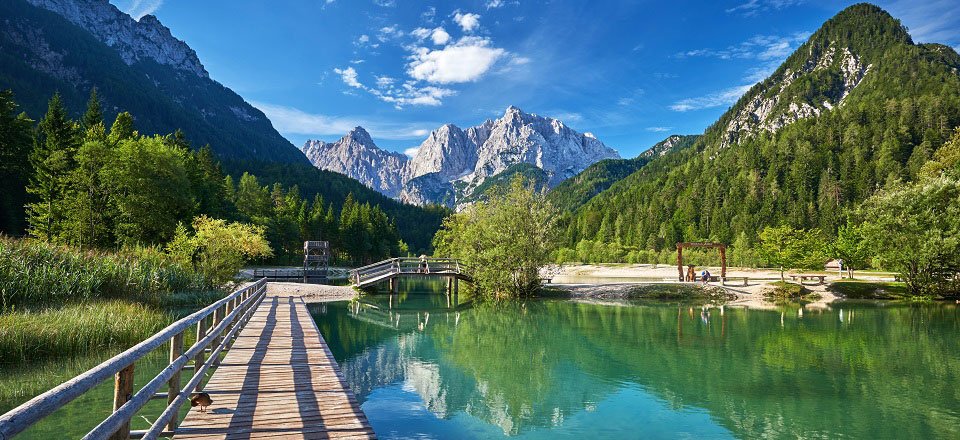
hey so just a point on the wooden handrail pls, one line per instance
(121, 366)
(406, 265)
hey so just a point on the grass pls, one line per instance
(784, 291)
(870, 290)
(35, 274)
(76, 329)
(60, 302)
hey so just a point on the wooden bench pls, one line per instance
(803, 278)
(745, 279)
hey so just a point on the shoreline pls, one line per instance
(620, 282)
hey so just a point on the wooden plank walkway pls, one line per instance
(279, 380)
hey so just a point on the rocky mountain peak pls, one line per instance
(358, 156)
(361, 136)
(147, 39)
(451, 161)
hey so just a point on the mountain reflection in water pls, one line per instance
(428, 367)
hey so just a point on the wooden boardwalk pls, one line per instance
(279, 380)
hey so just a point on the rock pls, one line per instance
(457, 160)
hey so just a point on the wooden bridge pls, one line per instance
(278, 378)
(394, 268)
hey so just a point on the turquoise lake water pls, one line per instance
(424, 366)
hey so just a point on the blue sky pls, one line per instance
(631, 72)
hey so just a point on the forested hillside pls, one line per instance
(857, 108)
(42, 53)
(577, 190)
(95, 188)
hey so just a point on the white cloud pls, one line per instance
(716, 99)
(428, 15)
(659, 129)
(385, 3)
(625, 101)
(467, 21)
(491, 4)
(567, 117)
(761, 47)
(349, 76)
(138, 8)
(412, 151)
(753, 7)
(440, 36)
(290, 120)
(363, 39)
(409, 93)
(466, 60)
(358, 61)
(929, 21)
(388, 32)
(420, 33)
(385, 81)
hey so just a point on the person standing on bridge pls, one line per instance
(424, 269)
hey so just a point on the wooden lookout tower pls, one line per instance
(316, 261)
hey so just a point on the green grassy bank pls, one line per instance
(60, 302)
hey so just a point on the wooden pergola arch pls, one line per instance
(701, 244)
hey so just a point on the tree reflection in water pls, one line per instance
(859, 370)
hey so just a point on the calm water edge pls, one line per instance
(426, 367)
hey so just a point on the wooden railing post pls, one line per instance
(122, 390)
(217, 319)
(173, 385)
(198, 359)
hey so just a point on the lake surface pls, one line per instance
(424, 366)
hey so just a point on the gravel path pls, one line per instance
(312, 292)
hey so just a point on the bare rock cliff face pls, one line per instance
(452, 162)
(771, 107)
(134, 40)
(357, 156)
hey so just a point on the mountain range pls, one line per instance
(452, 162)
(858, 107)
(138, 66)
(72, 46)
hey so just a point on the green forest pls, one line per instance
(811, 174)
(96, 188)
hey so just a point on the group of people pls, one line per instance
(692, 274)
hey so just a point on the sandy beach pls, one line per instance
(599, 280)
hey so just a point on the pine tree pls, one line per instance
(53, 159)
(94, 114)
(15, 144)
(86, 202)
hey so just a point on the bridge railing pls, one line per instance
(406, 265)
(216, 327)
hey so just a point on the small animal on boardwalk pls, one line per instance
(202, 400)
